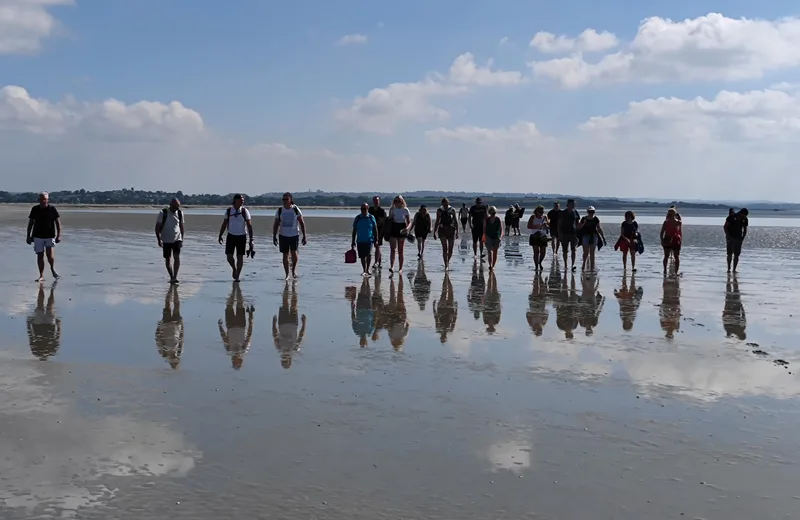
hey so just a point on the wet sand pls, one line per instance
(430, 396)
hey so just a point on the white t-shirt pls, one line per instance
(171, 229)
(399, 215)
(288, 218)
(237, 220)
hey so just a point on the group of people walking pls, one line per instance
(374, 225)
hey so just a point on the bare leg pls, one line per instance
(633, 260)
(286, 263)
(592, 249)
(445, 253)
(565, 254)
(51, 259)
(542, 255)
(535, 257)
(666, 259)
(295, 256)
(377, 254)
(677, 255)
(574, 256)
(239, 265)
(170, 272)
(392, 253)
(232, 263)
(451, 244)
(585, 257)
(401, 246)
(735, 262)
(40, 263)
(625, 260)
(176, 266)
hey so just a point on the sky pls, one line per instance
(671, 100)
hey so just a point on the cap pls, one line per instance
(590, 208)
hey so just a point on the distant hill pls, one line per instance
(132, 197)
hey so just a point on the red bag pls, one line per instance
(350, 256)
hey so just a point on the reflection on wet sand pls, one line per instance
(170, 329)
(566, 304)
(629, 298)
(670, 311)
(237, 332)
(393, 317)
(44, 328)
(537, 305)
(362, 313)
(734, 320)
(491, 306)
(476, 291)
(445, 310)
(287, 329)
(420, 285)
(591, 303)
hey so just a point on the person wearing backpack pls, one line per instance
(447, 229)
(238, 223)
(286, 232)
(169, 234)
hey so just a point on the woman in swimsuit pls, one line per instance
(591, 235)
(538, 241)
(422, 227)
(628, 239)
(671, 238)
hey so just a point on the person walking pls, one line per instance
(399, 220)
(365, 235)
(518, 213)
(735, 232)
(169, 234)
(568, 231)
(671, 239)
(44, 232)
(538, 226)
(592, 236)
(422, 227)
(446, 228)
(238, 224)
(493, 230)
(552, 222)
(286, 231)
(463, 214)
(628, 241)
(478, 216)
(509, 220)
(379, 214)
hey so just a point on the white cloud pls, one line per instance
(352, 39)
(383, 109)
(522, 132)
(24, 24)
(503, 41)
(588, 41)
(708, 48)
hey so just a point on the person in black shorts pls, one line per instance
(380, 218)
(735, 232)
(238, 224)
(478, 214)
(568, 231)
(552, 219)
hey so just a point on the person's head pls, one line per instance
(731, 212)
(671, 212)
(492, 211)
(446, 203)
(590, 211)
(364, 208)
(238, 200)
(376, 201)
(399, 202)
(571, 204)
(287, 200)
(743, 212)
(175, 204)
(479, 201)
(44, 198)
(423, 209)
(463, 204)
(539, 211)
(556, 206)
(629, 216)
(516, 206)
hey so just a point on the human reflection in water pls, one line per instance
(476, 291)
(566, 304)
(491, 306)
(537, 305)
(288, 329)
(394, 315)
(420, 285)
(170, 329)
(362, 313)
(591, 303)
(670, 311)
(629, 298)
(734, 319)
(445, 310)
(237, 332)
(44, 328)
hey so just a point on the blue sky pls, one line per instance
(267, 73)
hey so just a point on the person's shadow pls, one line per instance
(734, 319)
(288, 327)
(476, 291)
(566, 303)
(396, 315)
(591, 303)
(237, 332)
(445, 310)
(44, 327)
(629, 298)
(492, 308)
(362, 314)
(538, 314)
(421, 285)
(170, 329)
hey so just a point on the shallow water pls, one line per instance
(426, 395)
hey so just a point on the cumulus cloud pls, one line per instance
(588, 41)
(522, 132)
(352, 39)
(383, 109)
(24, 24)
(708, 48)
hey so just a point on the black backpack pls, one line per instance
(447, 217)
(165, 214)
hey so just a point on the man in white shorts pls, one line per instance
(286, 232)
(44, 232)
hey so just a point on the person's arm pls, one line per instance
(502, 231)
(302, 223)
(663, 231)
(375, 230)
(58, 227)
(725, 227)
(183, 229)
(600, 231)
(438, 224)
(530, 222)
(275, 226)
(581, 223)
(408, 220)
(622, 233)
(355, 230)
(744, 228)
(28, 236)
(248, 221)
(224, 226)
(159, 226)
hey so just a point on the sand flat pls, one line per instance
(425, 395)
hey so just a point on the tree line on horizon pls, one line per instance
(133, 197)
